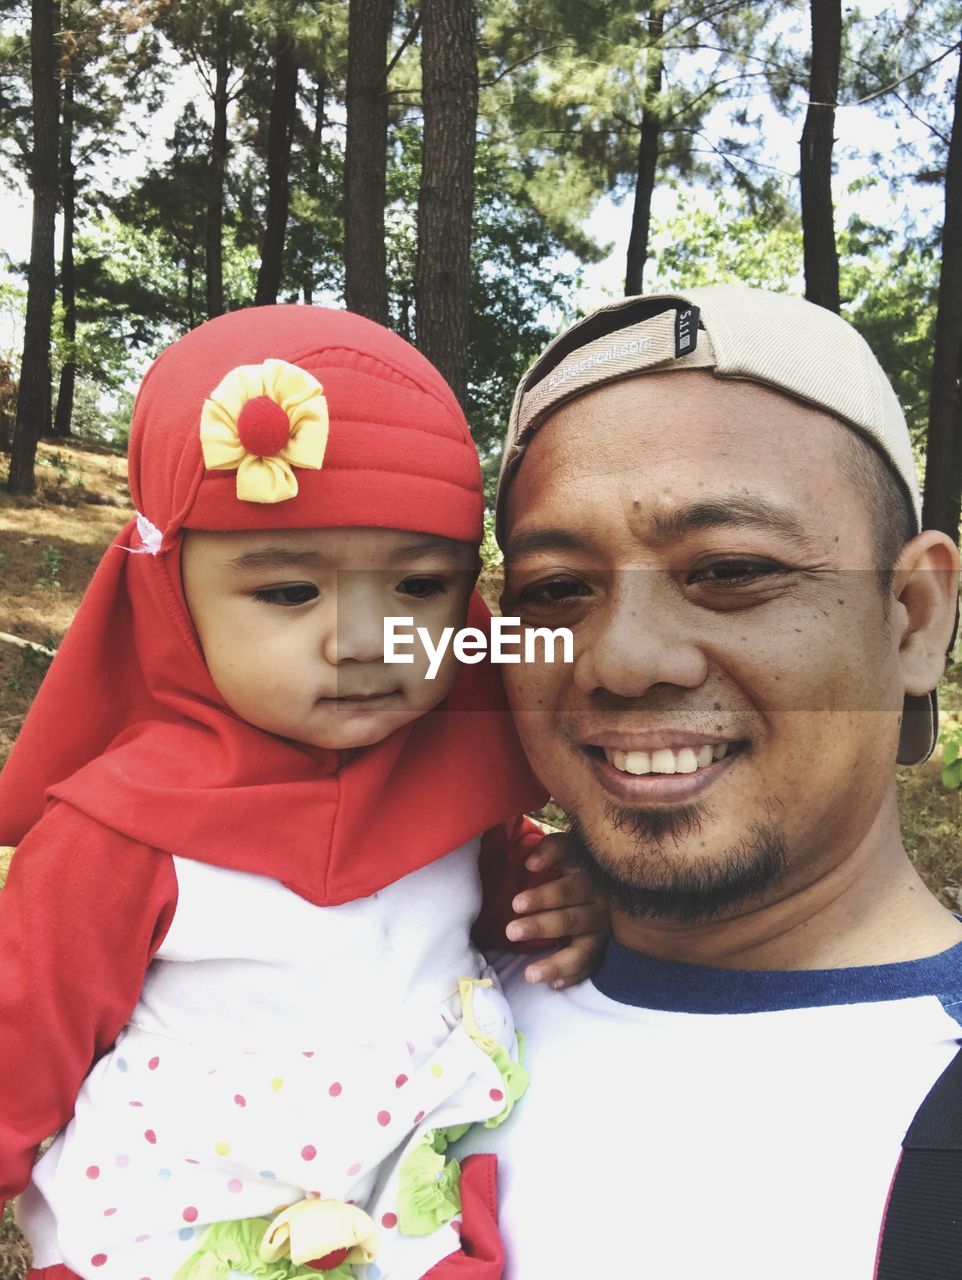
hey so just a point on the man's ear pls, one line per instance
(926, 586)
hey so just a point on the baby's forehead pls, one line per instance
(338, 547)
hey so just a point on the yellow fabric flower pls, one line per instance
(261, 420)
(313, 1230)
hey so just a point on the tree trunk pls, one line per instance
(818, 220)
(317, 137)
(648, 146)
(280, 132)
(365, 159)
(68, 289)
(33, 400)
(442, 273)
(943, 451)
(214, 230)
(190, 269)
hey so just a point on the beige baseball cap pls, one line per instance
(776, 340)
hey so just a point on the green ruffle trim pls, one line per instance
(516, 1080)
(429, 1193)
(429, 1187)
(441, 1139)
(233, 1246)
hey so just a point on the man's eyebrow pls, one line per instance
(757, 512)
(529, 542)
(268, 558)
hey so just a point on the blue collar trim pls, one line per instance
(635, 979)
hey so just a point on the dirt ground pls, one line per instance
(49, 547)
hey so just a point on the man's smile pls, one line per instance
(666, 766)
(667, 760)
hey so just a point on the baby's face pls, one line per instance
(291, 623)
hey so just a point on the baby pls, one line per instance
(235, 943)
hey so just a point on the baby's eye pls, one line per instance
(289, 595)
(421, 587)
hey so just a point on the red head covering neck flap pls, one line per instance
(128, 727)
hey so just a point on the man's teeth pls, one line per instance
(664, 760)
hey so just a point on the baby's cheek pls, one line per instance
(424, 693)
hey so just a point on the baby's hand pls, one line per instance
(570, 907)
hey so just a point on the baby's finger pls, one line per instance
(555, 850)
(568, 966)
(572, 889)
(550, 896)
(564, 922)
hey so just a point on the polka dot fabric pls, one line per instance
(231, 1127)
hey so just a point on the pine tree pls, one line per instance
(610, 100)
(818, 220)
(33, 399)
(365, 163)
(942, 499)
(442, 273)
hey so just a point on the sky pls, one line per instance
(859, 130)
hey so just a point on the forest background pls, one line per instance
(473, 173)
(446, 168)
(450, 168)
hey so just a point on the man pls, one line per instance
(716, 493)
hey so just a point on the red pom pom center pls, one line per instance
(329, 1261)
(263, 427)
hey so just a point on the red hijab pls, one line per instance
(128, 727)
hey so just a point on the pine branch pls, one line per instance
(408, 40)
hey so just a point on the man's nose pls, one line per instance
(358, 631)
(641, 636)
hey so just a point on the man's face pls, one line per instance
(727, 730)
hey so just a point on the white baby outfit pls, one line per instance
(279, 1051)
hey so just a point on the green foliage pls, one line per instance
(66, 472)
(950, 740)
(31, 666)
(888, 284)
(114, 428)
(731, 240)
(890, 287)
(491, 557)
(566, 85)
(50, 566)
(516, 279)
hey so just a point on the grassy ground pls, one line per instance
(49, 547)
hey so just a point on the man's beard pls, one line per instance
(651, 883)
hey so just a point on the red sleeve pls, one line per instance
(503, 877)
(83, 911)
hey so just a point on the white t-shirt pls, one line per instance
(688, 1123)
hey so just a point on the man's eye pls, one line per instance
(556, 591)
(735, 572)
(422, 588)
(289, 595)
